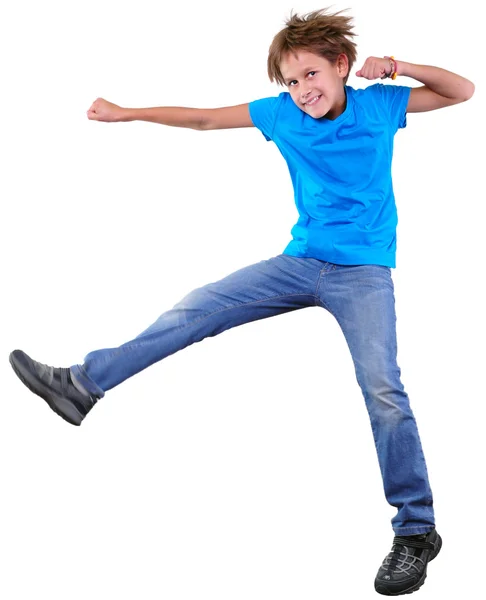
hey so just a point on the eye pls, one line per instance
(291, 82)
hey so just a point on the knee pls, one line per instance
(385, 397)
(389, 407)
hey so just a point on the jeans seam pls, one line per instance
(318, 301)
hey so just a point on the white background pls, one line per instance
(243, 467)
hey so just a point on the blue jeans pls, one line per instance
(361, 298)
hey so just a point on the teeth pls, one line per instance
(313, 101)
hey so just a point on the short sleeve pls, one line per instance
(264, 113)
(395, 100)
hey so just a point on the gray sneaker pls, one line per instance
(55, 386)
(405, 568)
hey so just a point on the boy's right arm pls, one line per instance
(194, 118)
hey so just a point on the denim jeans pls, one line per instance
(361, 298)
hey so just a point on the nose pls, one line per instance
(304, 94)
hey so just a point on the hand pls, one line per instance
(102, 110)
(374, 68)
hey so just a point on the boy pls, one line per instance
(338, 143)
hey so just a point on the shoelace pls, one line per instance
(401, 559)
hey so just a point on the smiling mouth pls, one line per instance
(314, 100)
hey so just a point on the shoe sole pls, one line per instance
(421, 581)
(58, 404)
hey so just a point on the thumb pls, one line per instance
(358, 73)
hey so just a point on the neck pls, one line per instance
(338, 110)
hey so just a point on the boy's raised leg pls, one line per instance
(265, 289)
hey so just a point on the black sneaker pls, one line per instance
(55, 386)
(405, 568)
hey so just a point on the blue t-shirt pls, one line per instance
(341, 173)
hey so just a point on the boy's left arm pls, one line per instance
(441, 87)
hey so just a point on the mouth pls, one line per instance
(313, 101)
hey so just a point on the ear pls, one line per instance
(342, 65)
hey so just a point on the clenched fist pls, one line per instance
(102, 110)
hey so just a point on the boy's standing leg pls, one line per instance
(361, 297)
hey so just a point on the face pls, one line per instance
(315, 85)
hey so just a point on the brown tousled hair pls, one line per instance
(323, 34)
